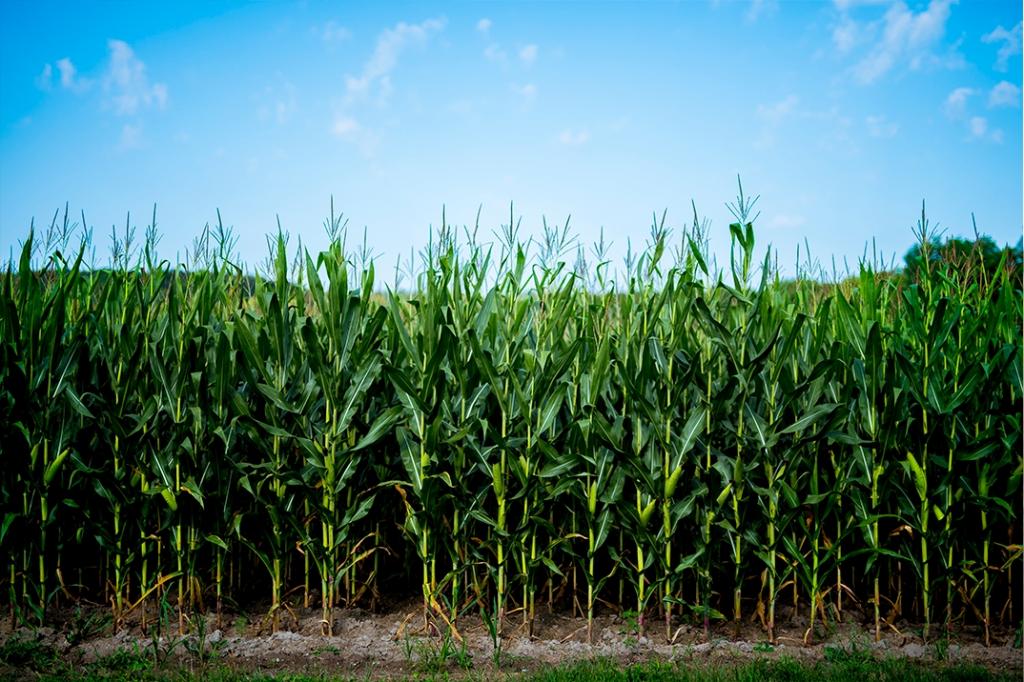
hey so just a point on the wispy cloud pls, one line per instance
(374, 81)
(125, 87)
(345, 126)
(376, 73)
(777, 112)
(527, 54)
(978, 126)
(760, 8)
(574, 138)
(979, 130)
(67, 74)
(484, 25)
(332, 32)
(527, 92)
(957, 107)
(68, 77)
(772, 117)
(845, 5)
(846, 34)
(880, 126)
(830, 127)
(900, 37)
(279, 104)
(956, 102)
(44, 81)
(786, 221)
(348, 129)
(494, 53)
(1004, 94)
(131, 136)
(126, 83)
(1009, 44)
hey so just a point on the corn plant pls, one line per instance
(341, 346)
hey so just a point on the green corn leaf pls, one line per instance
(920, 478)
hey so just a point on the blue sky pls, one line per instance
(842, 116)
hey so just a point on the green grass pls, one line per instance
(123, 667)
(23, 659)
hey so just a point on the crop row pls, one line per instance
(687, 444)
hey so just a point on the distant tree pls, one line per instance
(980, 255)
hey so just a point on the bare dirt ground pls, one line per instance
(396, 643)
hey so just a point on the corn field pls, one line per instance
(511, 427)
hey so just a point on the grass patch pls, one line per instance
(24, 653)
(126, 665)
(782, 670)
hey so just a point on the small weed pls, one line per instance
(200, 646)
(27, 654)
(764, 648)
(434, 657)
(853, 653)
(161, 647)
(130, 662)
(632, 623)
(84, 625)
(941, 647)
(407, 647)
(491, 622)
(326, 649)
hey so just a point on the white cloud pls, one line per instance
(494, 53)
(574, 138)
(67, 72)
(906, 37)
(333, 32)
(345, 127)
(785, 221)
(880, 126)
(790, 115)
(131, 136)
(484, 25)
(979, 129)
(1010, 44)
(759, 8)
(978, 126)
(373, 83)
(528, 54)
(126, 82)
(956, 102)
(283, 109)
(44, 81)
(528, 92)
(778, 112)
(348, 129)
(390, 45)
(773, 116)
(1004, 94)
(846, 35)
(844, 5)
(278, 103)
(69, 77)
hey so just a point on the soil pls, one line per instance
(396, 643)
